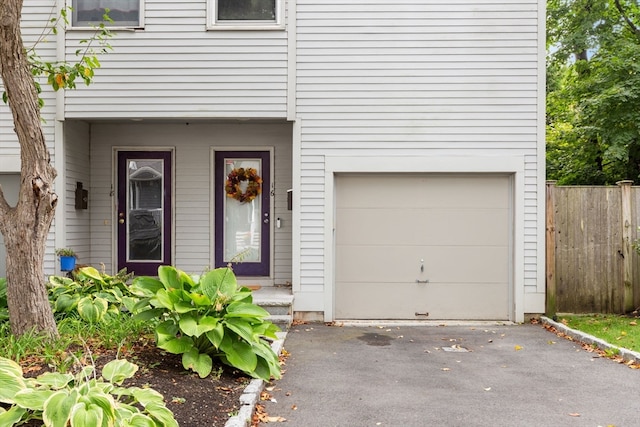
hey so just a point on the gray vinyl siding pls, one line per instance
(192, 204)
(415, 78)
(174, 67)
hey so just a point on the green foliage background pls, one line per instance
(593, 91)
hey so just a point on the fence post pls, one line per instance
(627, 264)
(550, 253)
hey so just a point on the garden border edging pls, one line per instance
(627, 355)
(251, 394)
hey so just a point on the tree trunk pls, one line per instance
(25, 227)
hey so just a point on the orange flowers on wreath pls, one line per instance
(254, 185)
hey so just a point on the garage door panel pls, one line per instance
(404, 301)
(469, 301)
(458, 227)
(401, 264)
(418, 191)
(418, 226)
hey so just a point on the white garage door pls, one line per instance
(423, 246)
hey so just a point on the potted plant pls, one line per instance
(67, 259)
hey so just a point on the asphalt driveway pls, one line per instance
(480, 375)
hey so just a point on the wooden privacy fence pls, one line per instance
(591, 264)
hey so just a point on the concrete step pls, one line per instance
(278, 301)
(281, 321)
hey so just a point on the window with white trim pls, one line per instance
(247, 13)
(124, 13)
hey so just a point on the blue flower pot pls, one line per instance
(67, 263)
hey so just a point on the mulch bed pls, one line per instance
(195, 401)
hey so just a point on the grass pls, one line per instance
(76, 338)
(620, 331)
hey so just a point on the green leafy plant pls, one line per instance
(66, 252)
(82, 400)
(4, 308)
(91, 294)
(208, 316)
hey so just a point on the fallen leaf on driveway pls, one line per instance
(518, 348)
(261, 416)
(265, 396)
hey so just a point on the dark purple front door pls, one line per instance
(242, 222)
(144, 211)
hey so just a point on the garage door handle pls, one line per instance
(422, 281)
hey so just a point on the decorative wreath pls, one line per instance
(235, 177)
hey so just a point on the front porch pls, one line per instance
(90, 158)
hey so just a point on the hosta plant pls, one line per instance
(83, 400)
(208, 316)
(91, 294)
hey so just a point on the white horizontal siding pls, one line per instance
(175, 68)
(34, 24)
(415, 78)
(36, 17)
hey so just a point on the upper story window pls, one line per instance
(124, 13)
(256, 14)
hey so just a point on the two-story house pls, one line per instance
(384, 158)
